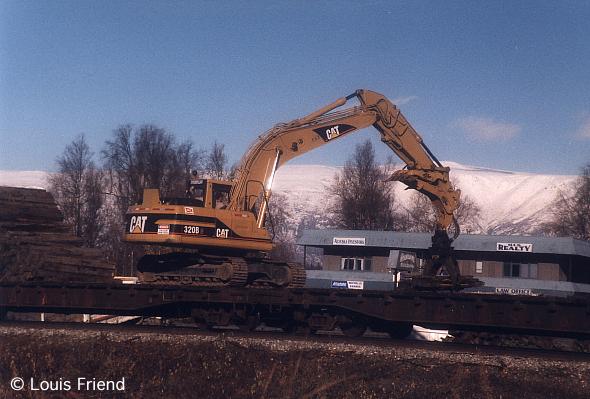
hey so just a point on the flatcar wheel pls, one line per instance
(307, 330)
(289, 327)
(353, 329)
(205, 326)
(250, 324)
(399, 330)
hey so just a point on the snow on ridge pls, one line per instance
(510, 202)
(24, 178)
(455, 166)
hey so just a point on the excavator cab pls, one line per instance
(196, 190)
(204, 193)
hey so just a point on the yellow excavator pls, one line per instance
(216, 235)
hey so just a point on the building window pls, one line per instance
(360, 264)
(479, 266)
(528, 271)
(520, 270)
(511, 269)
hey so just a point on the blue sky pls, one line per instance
(496, 84)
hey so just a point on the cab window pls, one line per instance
(197, 191)
(221, 196)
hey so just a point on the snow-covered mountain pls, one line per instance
(510, 202)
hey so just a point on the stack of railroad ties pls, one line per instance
(35, 244)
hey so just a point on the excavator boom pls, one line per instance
(286, 141)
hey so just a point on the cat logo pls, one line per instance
(331, 132)
(137, 224)
(222, 233)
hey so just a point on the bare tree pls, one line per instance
(122, 167)
(147, 157)
(92, 222)
(421, 217)
(187, 160)
(570, 211)
(217, 161)
(468, 215)
(116, 250)
(280, 228)
(364, 200)
(154, 151)
(77, 187)
(68, 184)
(233, 171)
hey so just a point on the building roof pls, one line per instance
(465, 242)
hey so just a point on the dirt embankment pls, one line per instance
(181, 366)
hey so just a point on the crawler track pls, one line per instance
(202, 270)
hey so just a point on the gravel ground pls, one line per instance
(157, 365)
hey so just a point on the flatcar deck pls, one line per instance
(541, 315)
